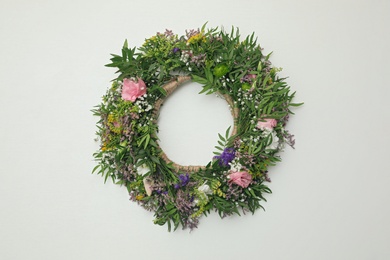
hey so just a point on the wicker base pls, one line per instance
(170, 88)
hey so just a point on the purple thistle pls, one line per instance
(226, 156)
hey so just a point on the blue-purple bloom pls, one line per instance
(162, 192)
(226, 156)
(175, 50)
(183, 180)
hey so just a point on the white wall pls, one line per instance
(331, 193)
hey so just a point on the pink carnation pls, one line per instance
(266, 123)
(242, 179)
(131, 90)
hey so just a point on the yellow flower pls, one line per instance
(113, 123)
(151, 39)
(139, 197)
(196, 38)
(110, 118)
(104, 147)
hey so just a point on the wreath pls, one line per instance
(234, 181)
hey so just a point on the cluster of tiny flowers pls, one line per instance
(247, 96)
(192, 32)
(252, 138)
(143, 104)
(167, 33)
(235, 165)
(109, 160)
(226, 81)
(113, 94)
(185, 56)
(199, 59)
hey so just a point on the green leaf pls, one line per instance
(147, 139)
(155, 159)
(95, 168)
(203, 27)
(209, 76)
(199, 80)
(227, 133)
(205, 88)
(218, 148)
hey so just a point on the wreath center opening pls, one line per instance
(189, 124)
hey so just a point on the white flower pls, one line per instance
(142, 169)
(275, 141)
(205, 189)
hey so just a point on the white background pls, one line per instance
(330, 195)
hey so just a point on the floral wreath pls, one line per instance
(234, 180)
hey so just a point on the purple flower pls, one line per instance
(183, 203)
(162, 192)
(183, 180)
(226, 156)
(175, 50)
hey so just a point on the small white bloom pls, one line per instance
(235, 165)
(143, 169)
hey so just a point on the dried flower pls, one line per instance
(148, 184)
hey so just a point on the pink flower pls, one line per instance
(131, 90)
(251, 76)
(242, 179)
(266, 123)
